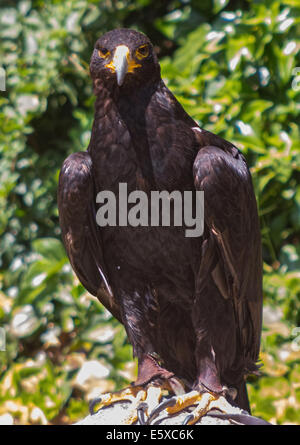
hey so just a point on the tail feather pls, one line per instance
(241, 399)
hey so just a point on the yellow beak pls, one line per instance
(122, 63)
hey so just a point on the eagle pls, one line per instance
(191, 305)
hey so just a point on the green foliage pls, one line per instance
(233, 66)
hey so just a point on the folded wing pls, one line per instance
(80, 233)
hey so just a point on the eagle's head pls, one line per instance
(124, 58)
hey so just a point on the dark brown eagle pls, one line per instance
(191, 306)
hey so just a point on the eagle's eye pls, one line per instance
(103, 52)
(142, 51)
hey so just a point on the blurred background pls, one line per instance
(233, 66)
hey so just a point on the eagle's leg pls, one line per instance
(207, 393)
(145, 393)
(152, 379)
(149, 370)
(143, 399)
(158, 381)
(142, 394)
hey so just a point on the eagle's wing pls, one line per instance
(80, 233)
(231, 229)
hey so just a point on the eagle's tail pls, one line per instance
(241, 399)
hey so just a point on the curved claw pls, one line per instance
(141, 413)
(163, 405)
(92, 405)
(187, 419)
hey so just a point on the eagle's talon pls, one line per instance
(133, 395)
(209, 402)
(141, 413)
(188, 418)
(142, 400)
(161, 407)
(92, 405)
(177, 404)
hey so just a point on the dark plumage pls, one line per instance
(194, 302)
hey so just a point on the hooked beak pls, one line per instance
(122, 63)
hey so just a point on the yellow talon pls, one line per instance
(128, 394)
(207, 403)
(204, 402)
(204, 405)
(154, 394)
(135, 395)
(184, 401)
